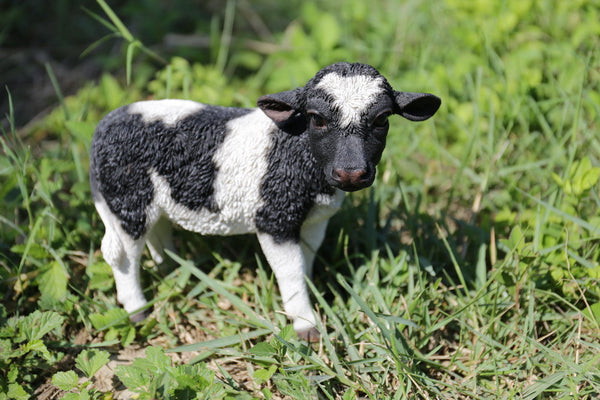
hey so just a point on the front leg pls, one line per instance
(289, 265)
(311, 237)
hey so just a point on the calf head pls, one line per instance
(344, 110)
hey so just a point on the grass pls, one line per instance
(469, 270)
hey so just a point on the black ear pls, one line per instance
(280, 107)
(416, 106)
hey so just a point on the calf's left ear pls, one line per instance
(280, 107)
(416, 106)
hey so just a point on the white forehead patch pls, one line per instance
(168, 111)
(351, 94)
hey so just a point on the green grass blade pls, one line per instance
(584, 224)
(326, 340)
(129, 59)
(390, 341)
(221, 342)
(455, 263)
(97, 43)
(335, 320)
(538, 388)
(121, 28)
(102, 21)
(219, 288)
(57, 90)
(225, 42)
(11, 111)
(316, 362)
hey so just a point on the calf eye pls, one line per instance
(382, 120)
(317, 121)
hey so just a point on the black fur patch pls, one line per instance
(290, 186)
(125, 149)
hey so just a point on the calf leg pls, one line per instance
(311, 237)
(127, 280)
(288, 264)
(123, 254)
(159, 239)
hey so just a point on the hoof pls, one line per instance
(139, 317)
(310, 335)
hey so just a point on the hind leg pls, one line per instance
(127, 279)
(159, 239)
(123, 253)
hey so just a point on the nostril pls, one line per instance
(361, 174)
(340, 175)
(350, 176)
(358, 175)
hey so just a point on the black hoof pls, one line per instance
(139, 316)
(310, 335)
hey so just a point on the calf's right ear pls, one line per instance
(280, 107)
(416, 106)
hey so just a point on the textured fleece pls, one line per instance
(126, 148)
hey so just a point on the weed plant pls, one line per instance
(470, 269)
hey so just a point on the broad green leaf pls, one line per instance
(13, 373)
(39, 346)
(84, 395)
(287, 332)
(100, 275)
(350, 394)
(593, 311)
(135, 379)
(116, 320)
(52, 280)
(33, 250)
(263, 349)
(154, 364)
(16, 391)
(109, 318)
(127, 335)
(589, 178)
(90, 361)
(196, 378)
(100, 267)
(65, 380)
(37, 324)
(6, 350)
(267, 393)
(157, 357)
(263, 375)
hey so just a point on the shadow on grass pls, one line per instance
(436, 243)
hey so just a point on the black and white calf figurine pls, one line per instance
(279, 171)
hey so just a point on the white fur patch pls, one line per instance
(325, 206)
(242, 162)
(352, 94)
(168, 111)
